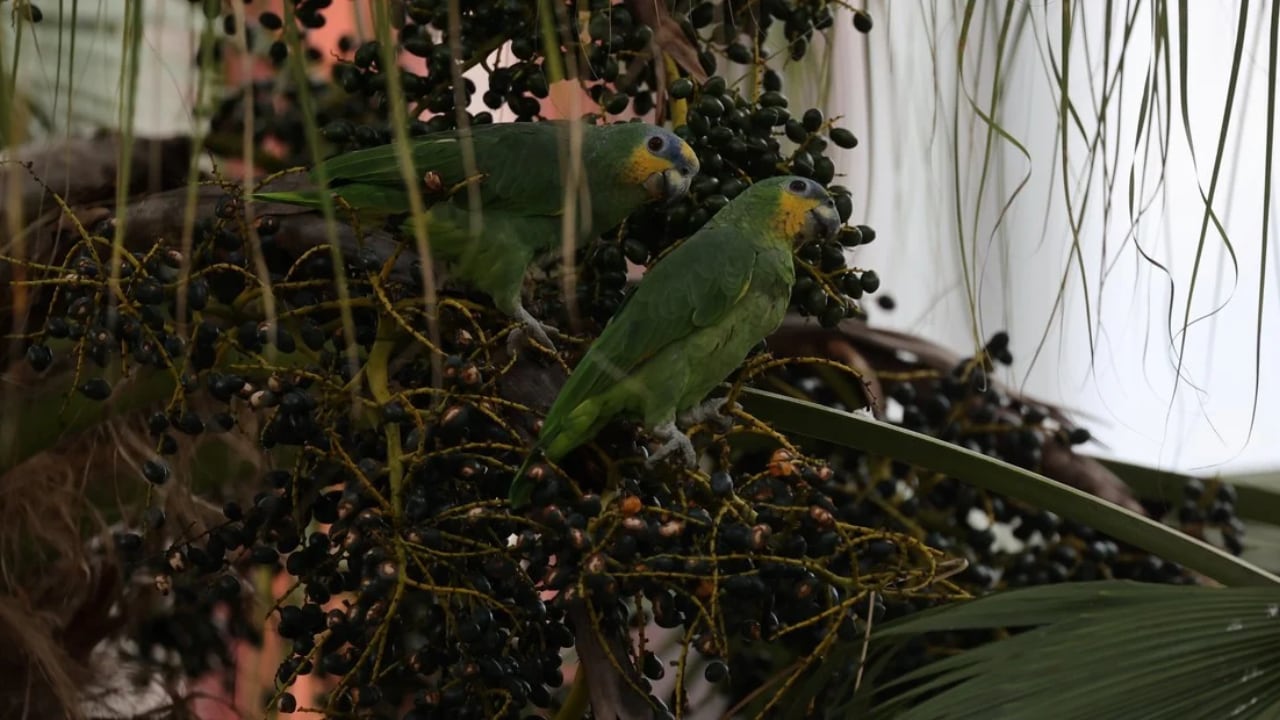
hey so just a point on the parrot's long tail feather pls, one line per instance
(304, 198)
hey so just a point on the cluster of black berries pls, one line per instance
(741, 133)
(964, 406)
(82, 310)
(1205, 505)
(436, 580)
(197, 602)
(1007, 543)
(418, 583)
(739, 140)
(419, 587)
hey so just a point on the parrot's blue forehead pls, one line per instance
(675, 150)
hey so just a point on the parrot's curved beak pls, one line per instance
(822, 222)
(668, 185)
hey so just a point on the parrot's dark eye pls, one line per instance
(798, 186)
(656, 143)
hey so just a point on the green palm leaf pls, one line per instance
(812, 420)
(1100, 650)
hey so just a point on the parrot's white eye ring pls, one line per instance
(798, 186)
(656, 143)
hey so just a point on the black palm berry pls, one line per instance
(155, 470)
(40, 357)
(96, 389)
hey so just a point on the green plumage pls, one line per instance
(518, 174)
(692, 320)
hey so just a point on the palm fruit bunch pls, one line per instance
(395, 434)
(416, 585)
(741, 132)
(1006, 543)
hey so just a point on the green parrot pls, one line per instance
(519, 174)
(691, 321)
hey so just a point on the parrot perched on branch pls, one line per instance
(520, 171)
(691, 321)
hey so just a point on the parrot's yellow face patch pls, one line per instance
(790, 214)
(644, 163)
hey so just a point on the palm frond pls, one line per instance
(815, 421)
(1109, 649)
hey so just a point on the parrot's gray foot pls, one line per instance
(714, 410)
(532, 328)
(674, 441)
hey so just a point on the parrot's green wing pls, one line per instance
(693, 287)
(518, 166)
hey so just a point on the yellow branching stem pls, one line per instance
(298, 72)
(679, 107)
(418, 225)
(376, 375)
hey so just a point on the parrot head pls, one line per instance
(654, 158)
(804, 211)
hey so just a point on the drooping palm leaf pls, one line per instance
(815, 421)
(1106, 649)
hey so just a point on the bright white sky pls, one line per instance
(903, 172)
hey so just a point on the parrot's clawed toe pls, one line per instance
(532, 328)
(674, 441)
(716, 410)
